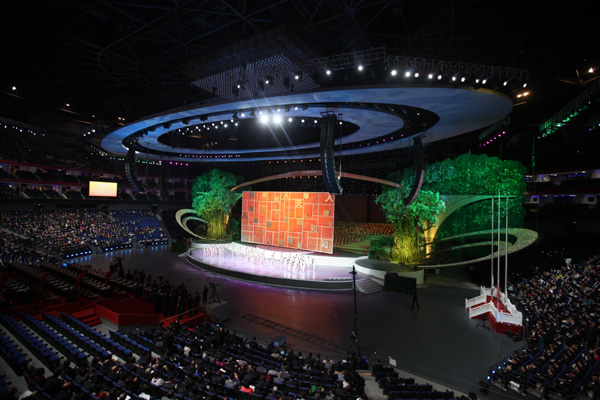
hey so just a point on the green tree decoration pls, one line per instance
(467, 174)
(409, 222)
(213, 200)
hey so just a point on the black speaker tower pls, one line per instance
(332, 183)
(131, 171)
(419, 174)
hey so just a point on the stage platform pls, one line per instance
(267, 265)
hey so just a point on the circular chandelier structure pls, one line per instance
(281, 127)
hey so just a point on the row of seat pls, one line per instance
(39, 349)
(140, 343)
(130, 344)
(59, 342)
(431, 394)
(96, 336)
(76, 337)
(13, 356)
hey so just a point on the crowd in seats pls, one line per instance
(396, 387)
(351, 232)
(78, 231)
(142, 224)
(195, 362)
(561, 307)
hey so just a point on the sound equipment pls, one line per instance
(419, 174)
(332, 183)
(131, 171)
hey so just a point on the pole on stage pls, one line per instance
(492, 251)
(498, 247)
(506, 253)
(354, 333)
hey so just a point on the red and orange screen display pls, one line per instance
(296, 220)
(105, 189)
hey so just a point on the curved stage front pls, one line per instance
(329, 273)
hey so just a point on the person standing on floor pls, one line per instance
(415, 300)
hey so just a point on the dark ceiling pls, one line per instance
(110, 59)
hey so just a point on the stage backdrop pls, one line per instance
(296, 220)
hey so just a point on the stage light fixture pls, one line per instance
(430, 76)
(264, 119)
(290, 119)
(277, 119)
(286, 108)
(439, 77)
(407, 74)
(393, 72)
(305, 106)
(328, 72)
(269, 79)
(253, 114)
(360, 67)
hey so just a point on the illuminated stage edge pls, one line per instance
(331, 272)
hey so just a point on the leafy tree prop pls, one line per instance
(213, 200)
(409, 222)
(467, 174)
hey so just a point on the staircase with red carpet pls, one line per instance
(87, 316)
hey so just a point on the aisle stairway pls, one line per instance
(372, 389)
(368, 285)
(88, 316)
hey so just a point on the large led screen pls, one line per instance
(104, 189)
(295, 220)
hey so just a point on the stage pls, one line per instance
(276, 266)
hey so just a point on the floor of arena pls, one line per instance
(436, 341)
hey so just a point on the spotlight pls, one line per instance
(328, 72)
(277, 119)
(298, 75)
(268, 79)
(394, 72)
(407, 74)
(430, 76)
(360, 67)
(290, 119)
(264, 119)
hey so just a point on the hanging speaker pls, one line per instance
(332, 183)
(131, 171)
(420, 173)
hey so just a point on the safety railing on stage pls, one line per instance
(479, 305)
